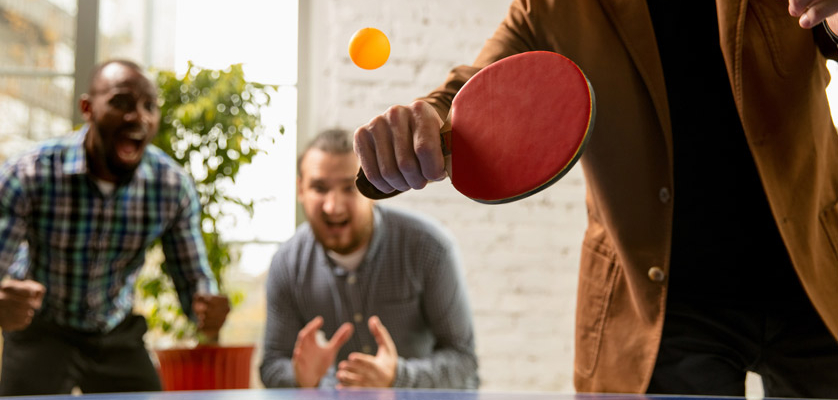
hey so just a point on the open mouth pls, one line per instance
(337, 224)
(130, 147)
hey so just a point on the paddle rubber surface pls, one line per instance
(519, 125)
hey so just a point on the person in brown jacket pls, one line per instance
(712, 188)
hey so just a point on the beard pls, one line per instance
(339, 244)
(123, 172)
(108, 148)
(356, 237)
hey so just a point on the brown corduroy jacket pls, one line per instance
(778, 78)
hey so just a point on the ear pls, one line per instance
(85, 107)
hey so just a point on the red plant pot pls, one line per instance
(205, 368)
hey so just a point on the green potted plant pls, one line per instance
(210, 124)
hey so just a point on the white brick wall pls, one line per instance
(520, 258)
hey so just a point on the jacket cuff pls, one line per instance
(402, 375)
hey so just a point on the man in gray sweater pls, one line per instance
(384, 285)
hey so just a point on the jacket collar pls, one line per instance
(633, 24)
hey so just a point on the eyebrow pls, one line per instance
(126, 90)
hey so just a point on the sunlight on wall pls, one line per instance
(263, 37)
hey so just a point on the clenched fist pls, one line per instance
(18, 302)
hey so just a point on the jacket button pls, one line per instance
(664, 195)
(656, 274)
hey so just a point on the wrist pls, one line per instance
(307, 384)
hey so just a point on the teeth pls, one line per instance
(137, 135)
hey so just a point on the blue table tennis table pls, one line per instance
(386, 394)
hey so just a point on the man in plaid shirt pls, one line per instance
(87, 207)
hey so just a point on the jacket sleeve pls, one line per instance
(518, 33)
(453, 362)
(281, 328)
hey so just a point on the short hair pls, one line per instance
(97, 71)
(333, 141)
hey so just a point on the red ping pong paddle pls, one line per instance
(517, 127)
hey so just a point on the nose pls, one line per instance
(333, 204)
(139, 114)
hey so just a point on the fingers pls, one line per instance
(28, 287)
(306, 340)
(27, 291)
(304, 355)
(364, 370)
(358, 363)
(18, 302)
(350, 379)
(400, 149)
(341, 336)
(427, 143)
(312, 358)
(382, 336)
(310, 329)
(364, 144)
(211, 301)
(16, 318)
(367, 370)
(406, 161)
(17, 324)
(387, 129)
(812, 12)
(798, 7)
(211, 311)
(359, 370)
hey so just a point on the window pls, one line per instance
(263, 37)
(36, 72)
(37, 81)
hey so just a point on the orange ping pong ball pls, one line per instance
(369, 48)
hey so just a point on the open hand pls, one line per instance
(311, 359)
(364, 370)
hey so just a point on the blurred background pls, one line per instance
(520, 259)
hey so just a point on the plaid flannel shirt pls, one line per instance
(87, 248)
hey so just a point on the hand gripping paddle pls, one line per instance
(517, 126)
